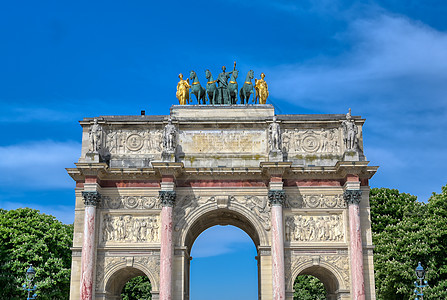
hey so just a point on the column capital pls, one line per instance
(352, 196)
(91, 198)
(277, 197)
(167, 198)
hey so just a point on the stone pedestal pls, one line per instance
(168, 156)
(91, 199)
(275, 156)
(351, 155)
(92, 157)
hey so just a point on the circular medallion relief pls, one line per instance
(313, 201)
(134, 142)
(310, 143)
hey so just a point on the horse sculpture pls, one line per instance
(211, 89)
(197, 89)
(232, 87)
(247, 88)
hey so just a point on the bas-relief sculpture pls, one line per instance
(294, 201)
(314, 228)
(311, 141)
(130, 229)
(130, 202)
(122, 141)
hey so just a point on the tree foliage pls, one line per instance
(29, 237)
(405, 232)
(307, 287)
(138, 288)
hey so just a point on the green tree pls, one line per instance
(138, 288)
(307, 287)
(29, 237)
(404, 232)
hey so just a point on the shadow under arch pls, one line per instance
(119, 275)
(330, 277)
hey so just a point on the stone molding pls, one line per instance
(92, 198)
(167, 198)
(277, 197)
(352, 196)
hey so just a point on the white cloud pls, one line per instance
(219, 240)
(38, 165)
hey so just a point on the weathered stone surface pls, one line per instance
(287, 186)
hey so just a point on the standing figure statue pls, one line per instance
(169, 137)
(223, 96)
(262, 91)
(350, 131)
(247, 88)
(232, 87)
(183, 90)
(211, 89)
(274, 135)
(95, 136)
(197, 89)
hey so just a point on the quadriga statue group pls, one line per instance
(221, 91)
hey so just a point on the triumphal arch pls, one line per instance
(147, 186)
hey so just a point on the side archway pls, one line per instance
(333, 279)
(118, 274)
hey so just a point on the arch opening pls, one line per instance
(208, 222)
(126, 276)
(308, 287)
(326, 277)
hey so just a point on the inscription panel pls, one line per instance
(223, 141)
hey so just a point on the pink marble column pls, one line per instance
(91, 199)
(167, 199)
(352, 198)
(276, 198)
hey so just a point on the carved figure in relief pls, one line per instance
(130, 229)
(314, 229)
(169, 136)
(182, 93)
(262, 91)
(95, 136)
(274, 135)
(259, 206)
(350, 131)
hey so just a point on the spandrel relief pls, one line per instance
(130, 229)
(314, 228)
(121, 142)
(318, 141)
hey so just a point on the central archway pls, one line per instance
(224, 261)
(236, 217)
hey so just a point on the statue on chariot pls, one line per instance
(221, 91)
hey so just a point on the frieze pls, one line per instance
(314, 228)
(312, 141)
(314, 201)
(121, 142)
(130, 229)
(130, 202)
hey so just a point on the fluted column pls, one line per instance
(167, 199)
(276, 199)
(91, 200)
(352, 198)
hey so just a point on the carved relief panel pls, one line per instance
(130, 229)
(121, 142)
(130, 202)
(314, 228)
(312, 141)
(294, 200)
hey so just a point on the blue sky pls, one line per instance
(62, 61)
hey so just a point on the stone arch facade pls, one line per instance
(140, 204)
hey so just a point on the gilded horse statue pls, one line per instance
(197, 89)
(247, 89)
(211, 89)
(232, 87)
